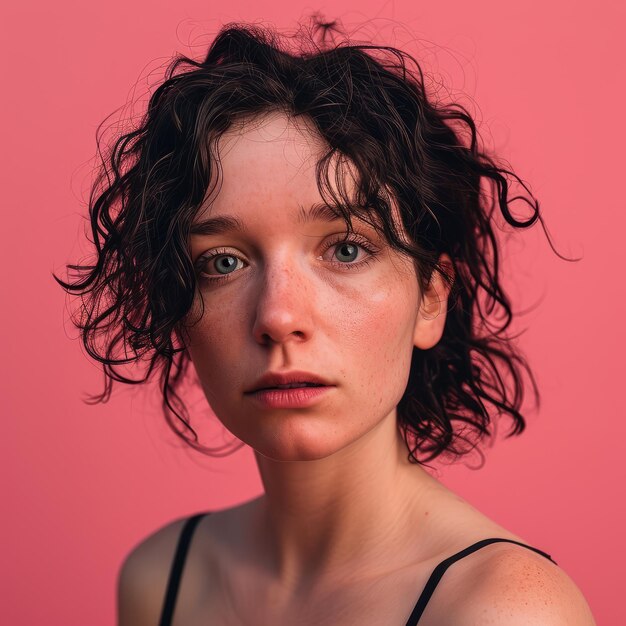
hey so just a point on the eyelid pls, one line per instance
(205, 257)
(356, 238)
(344, 237)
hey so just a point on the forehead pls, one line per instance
(268, 166)
(273, 127)
(268, 155)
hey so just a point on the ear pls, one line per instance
(431, 317)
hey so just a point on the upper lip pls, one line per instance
(273, 379)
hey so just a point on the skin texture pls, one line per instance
(347, 531)
(337, 482)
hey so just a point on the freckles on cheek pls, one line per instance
(388, 305)
(208, 340)
(223, 317)
(387, 318)
(373, 330)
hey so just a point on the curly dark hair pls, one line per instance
(369, 107)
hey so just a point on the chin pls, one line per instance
(285, 456)
(289, 446)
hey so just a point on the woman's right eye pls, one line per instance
(225, 261)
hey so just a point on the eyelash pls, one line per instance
(355, 239)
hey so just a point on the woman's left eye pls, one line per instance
(349, 251)
(348, 248)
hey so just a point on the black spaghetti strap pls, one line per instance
(176, 570)
(190, 524)
(438, 572)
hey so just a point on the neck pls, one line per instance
(336, 515)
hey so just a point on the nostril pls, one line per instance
(268, 339)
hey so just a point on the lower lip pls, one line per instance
(295, 398)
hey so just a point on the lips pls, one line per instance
(287, 380)
(293, 386)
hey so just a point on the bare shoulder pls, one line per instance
(143, 576)
(516, 586)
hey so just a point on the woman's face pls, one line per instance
(287, 297)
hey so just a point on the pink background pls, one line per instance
(82, 484)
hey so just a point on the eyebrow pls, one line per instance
(226, 223)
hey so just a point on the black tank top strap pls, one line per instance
(439, 571)
(190, 524)
(176, 570)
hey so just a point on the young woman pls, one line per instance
(314, 235)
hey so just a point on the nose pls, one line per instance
(284, 305)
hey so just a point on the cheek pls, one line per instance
(212, 342)
(370, 327)
(383, 317)
(378, 336)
